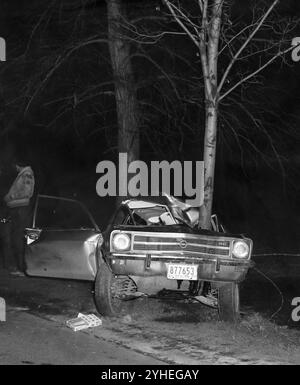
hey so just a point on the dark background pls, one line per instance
(64, 124)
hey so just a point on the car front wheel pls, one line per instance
(229, 302)
(109, 290)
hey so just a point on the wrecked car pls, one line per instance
(149, 247)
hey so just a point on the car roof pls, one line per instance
(139, 203)
(150, 201)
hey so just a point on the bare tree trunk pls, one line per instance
(210, 146)
(125, 93)
(210, 61)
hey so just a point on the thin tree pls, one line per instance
(260, 42)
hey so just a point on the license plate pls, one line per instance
(181, 271)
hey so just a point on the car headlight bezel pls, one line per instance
(240, 249)
(117, 239)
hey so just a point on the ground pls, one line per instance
(155, 331)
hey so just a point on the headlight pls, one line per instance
(240, 249)
(121, 242)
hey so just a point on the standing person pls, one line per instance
(17, 201)
(8, 173)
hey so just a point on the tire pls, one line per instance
(229, 302)
(106, 300)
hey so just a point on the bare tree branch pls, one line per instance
(244, 45)
(256, 72)
(172, 9)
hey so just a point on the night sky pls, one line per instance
(63, 124)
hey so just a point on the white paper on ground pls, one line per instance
(84, 321)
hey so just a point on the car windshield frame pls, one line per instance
(148, 206)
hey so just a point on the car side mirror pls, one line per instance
(32, 235)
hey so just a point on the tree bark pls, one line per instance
(210, 61)
(209, 158)
(125, 92)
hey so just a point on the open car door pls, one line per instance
(62, 240)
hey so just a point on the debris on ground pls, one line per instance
(84, 321)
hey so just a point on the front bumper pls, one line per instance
(208, 268)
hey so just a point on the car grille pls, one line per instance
(206, 246)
